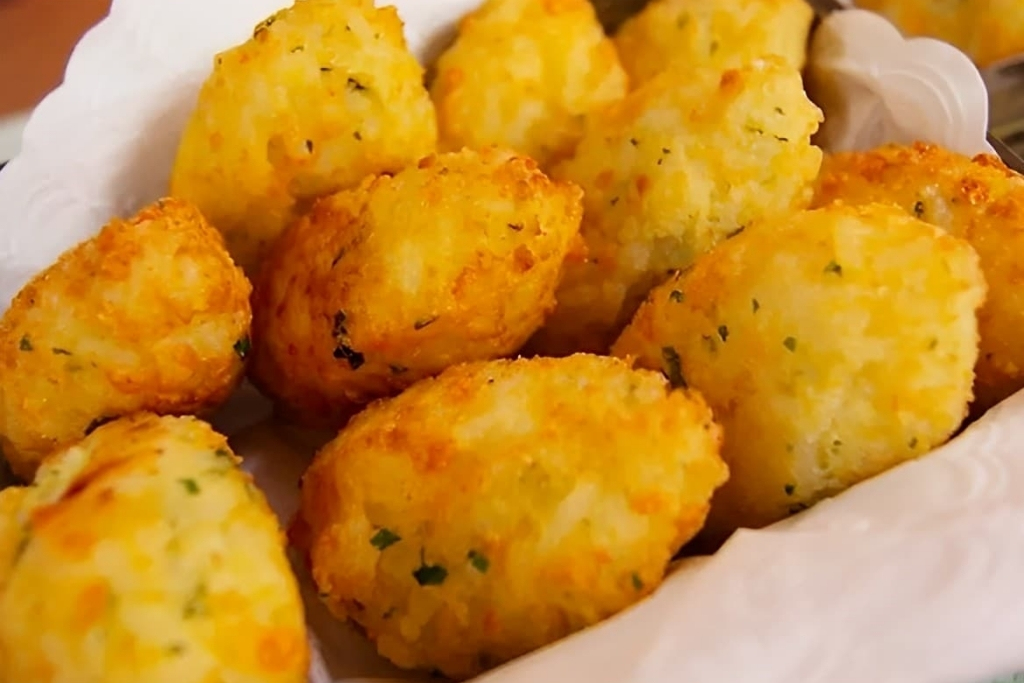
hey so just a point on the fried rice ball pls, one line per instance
(453, 260)
(830, 344)
(678, 166)
(721, 33)
(151, 314)
(506, 504)
(986, 30)
(145, 554)
(523, 74)
(979, 200)
(325, 93)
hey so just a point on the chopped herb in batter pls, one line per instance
(518, 227)
(723, 333)
(676, 296)
(384, 538)
(834, 268)
(196, 605)
(354, 358)
(919, 209)
(425, 322)
(638, 583)
(479, 561)
(430, 575)
(242, 347)
(755, 305)
(913, 442)
(673, 367)
(190, 486)
(355, 85)
(25, 344)
(789, 489)
(789, 343)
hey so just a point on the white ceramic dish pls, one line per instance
(913, 577)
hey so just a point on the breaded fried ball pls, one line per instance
(720, 33)
(987, 30)
(503, 505)
(453, 260)
(830, 344)
(145, 554)
(151, 314)
(979, 200)
(325, 93)
(523, 74)
(678, 166)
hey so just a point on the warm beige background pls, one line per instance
(36, 37)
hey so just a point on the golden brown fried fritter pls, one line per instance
(151, 314)
(979, 200)
(831, 345)
(523, 74)
(503, 505)
(678, 166)
(452, 260)
(720, 33)
(987, 30)
(145, 554)
(324, 94)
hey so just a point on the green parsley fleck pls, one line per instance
(355, 359)
(779, 111)
(222, 453)
(358, 136)
(479, 561)
(638, 583)
(789, 489)
(355, 85)
(913, 442)
(755, 305)
(634, 142)
(517, 227)
(789, 343)
(196, 606)
(25, 344)
(933, 344)
(676, 296)
(723, 333)
(430, 575)
(919, 209)
(714, 46)
(834, 268)
(425, 322)
(190, 486)
(242, 347)
(384, 538)
(60, 352)
(673, 367)
(176, 649)
(309, 146)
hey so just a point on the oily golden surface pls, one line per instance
(676, 167)
(831, 345)
(145, 554)
(151, 314)
(453, 260)
(987, 30)
(523, 74)
(722, 33)
(979, 200)
(506, 504)
(324, 94)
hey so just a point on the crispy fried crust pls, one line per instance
(504, 505)
(523, 74)
(831, 345)
(324, 94)
(679, 165)
(720, 33)
(151, 314)
(979, 200)
(146, 554)
(453, 260)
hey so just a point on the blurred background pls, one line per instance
(36, 37)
